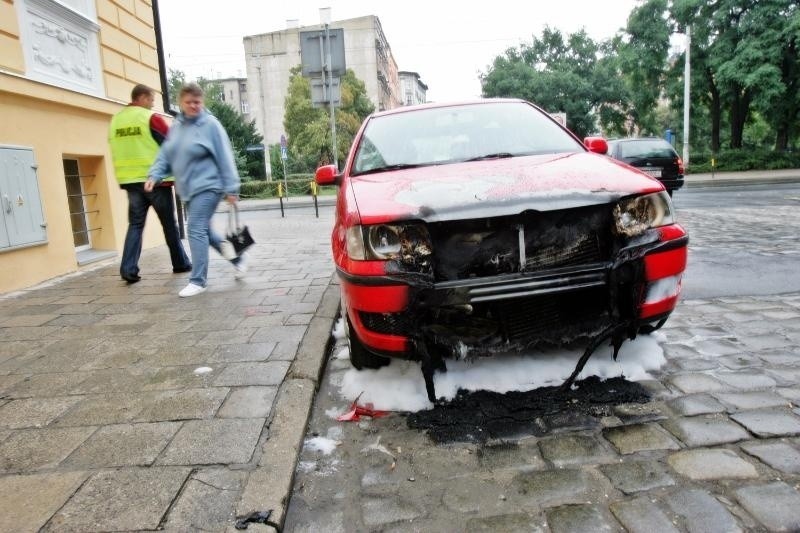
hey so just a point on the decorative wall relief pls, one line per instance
(61, 46)
(57, 47)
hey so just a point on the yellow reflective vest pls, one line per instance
(133, 148)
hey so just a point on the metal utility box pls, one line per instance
(22, 220)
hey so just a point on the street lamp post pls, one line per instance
(686, 95)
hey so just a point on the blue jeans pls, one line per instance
(139, 202)
(201, 208)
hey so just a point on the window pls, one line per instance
(245, 108)
(79, 215)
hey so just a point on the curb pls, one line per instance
(269, 486)
(728, 182)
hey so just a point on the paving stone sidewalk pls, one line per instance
(124, 407)
(717, 449)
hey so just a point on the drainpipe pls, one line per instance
(162, 66)
(162, 70)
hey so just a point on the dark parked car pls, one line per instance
(466, 230)
(653, 156)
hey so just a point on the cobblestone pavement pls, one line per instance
(124, 407)
(716, 449)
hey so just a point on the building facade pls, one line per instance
(65, 68)
(234, 93)
(269, 57)
(412, 90)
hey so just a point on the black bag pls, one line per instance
(238, 235)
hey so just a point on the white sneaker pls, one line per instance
(191, 290)
(241, 266)
(227, 250)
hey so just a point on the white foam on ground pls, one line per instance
(322, 445)
(400, 386)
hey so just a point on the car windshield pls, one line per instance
(470, 132)
(645, 148)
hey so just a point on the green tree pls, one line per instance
(308, 127)
(177, 79)
(560, 74)
(643, 60)
(747, 53)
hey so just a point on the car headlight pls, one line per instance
(385, 242)
(636, 215)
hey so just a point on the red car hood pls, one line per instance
(496, 187)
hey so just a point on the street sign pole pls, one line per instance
(330, 96)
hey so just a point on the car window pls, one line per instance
(452, 134)
(646, 148)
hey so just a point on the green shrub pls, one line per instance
(742, 159)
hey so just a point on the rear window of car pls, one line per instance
(452, 134)
(645, 148)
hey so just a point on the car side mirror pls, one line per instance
(597, 145)
(326, 175)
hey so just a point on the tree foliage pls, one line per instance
(560, 73)
(745, 58)
(308, 128)
(643, 57)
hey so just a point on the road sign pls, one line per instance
(254, 148)
(283, 141)
(322, 94)
(284, 154)
(314, 53)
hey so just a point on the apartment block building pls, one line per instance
(65, 68)
(269, 57)
(412, 90)
(234, 93)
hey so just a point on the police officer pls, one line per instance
(135, 135)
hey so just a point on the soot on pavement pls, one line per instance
(483, 415)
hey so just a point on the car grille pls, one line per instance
(492, 246)
(553, 318)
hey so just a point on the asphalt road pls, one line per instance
(743, 240)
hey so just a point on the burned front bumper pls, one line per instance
(483, 315)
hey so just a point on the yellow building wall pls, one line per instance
(60, 123)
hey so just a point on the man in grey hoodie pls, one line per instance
(198, 152)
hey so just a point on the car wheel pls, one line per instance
(360, 357)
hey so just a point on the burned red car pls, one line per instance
(470, 229)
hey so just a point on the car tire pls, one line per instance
(361, 357)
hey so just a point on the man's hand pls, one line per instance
(232, 198)
(149, 185)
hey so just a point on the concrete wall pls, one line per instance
(62, 119)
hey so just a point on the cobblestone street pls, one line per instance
(716, 448)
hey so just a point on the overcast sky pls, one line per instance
(446, 43)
